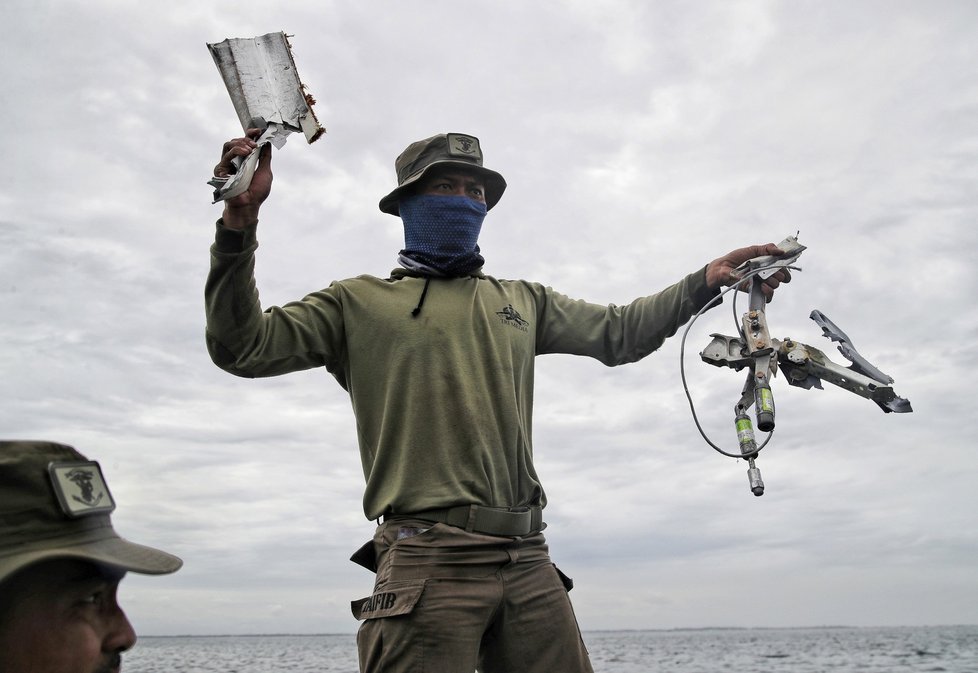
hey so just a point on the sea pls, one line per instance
(768, 650)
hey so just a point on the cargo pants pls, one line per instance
(450, 601)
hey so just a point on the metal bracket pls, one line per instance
(806, 367)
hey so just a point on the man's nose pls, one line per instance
(120, 636)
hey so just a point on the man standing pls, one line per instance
(61, 563)
(438, 360)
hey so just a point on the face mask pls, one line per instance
(442, 233)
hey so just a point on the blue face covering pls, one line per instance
(441, 233)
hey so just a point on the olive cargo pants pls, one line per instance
(449, 601)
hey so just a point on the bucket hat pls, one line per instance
(444, 149)
(54, 503)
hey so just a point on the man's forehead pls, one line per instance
(73, 571)
(453, 172)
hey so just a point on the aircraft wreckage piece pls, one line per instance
(803, 365)
(806, 366)
(265, 89)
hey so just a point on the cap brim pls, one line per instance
(110, 551)
(495, 185)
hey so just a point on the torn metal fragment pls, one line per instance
(265, 89)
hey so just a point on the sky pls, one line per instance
(640, 140)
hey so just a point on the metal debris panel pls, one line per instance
(266, 92)
(265, 88)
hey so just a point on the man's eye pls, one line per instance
(93, 598)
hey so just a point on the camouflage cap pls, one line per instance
(54, 503)
(444, 149)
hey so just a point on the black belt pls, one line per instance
(517, 521)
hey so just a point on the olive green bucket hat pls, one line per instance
(54, 504)
(444, 149)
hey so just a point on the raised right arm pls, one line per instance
(241, 337)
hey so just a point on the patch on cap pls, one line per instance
(460, 145)
(81, 488)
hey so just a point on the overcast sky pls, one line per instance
(640, 140)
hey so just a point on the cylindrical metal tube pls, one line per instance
(756, 484)
(745, 434)
(764, 404)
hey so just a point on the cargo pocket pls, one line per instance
(390, 600)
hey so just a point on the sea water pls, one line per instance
(839, 649)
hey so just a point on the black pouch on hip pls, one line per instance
(366, 556)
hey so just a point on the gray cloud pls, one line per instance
(640, 140)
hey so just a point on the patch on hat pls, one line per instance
(461, 145)
(81, 488)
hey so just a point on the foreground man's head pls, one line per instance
(61, 562)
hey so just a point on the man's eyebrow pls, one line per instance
(111, 573)
(467, 179)
(94, 572)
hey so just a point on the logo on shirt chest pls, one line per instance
(510, 316)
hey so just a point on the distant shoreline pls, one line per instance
(586, 631)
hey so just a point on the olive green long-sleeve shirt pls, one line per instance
(443, 399)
